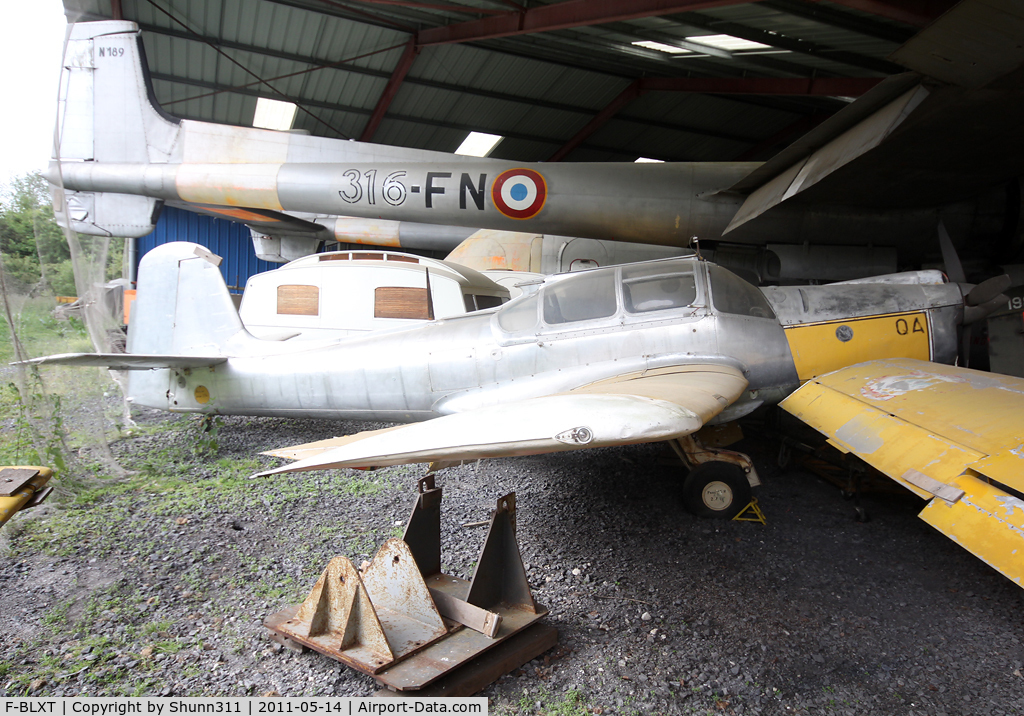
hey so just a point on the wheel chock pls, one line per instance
(751, 513)
(407, 624)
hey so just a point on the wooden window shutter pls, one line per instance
(400, 302)
(298, 300)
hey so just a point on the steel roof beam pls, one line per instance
(393, 117)
(561, 16)
(809, 87)
(783, 136)
(912, 12)
(827, 86)
(867, 26)
(459, 89)
(625, 97)
(390, 90)
(793, 44)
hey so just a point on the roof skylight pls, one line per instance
(478, 144)
(662, 47)
(728, 42)
(272, 114)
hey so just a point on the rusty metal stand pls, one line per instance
(407, 624)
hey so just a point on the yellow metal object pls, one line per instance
(986, 522)
(751, 513)
(202, 394)
(820, 348)
(928, 426)
(18, 487)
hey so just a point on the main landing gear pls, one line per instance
(719, 482)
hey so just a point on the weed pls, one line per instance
(155, 627)
(57, 617)
(205, 429)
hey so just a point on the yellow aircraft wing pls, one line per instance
(950, 435)
(648, 406)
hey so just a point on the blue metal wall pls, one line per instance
(228, 239)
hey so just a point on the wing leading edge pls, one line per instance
(950, 435)
(636, 408)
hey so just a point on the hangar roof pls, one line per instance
(558, 80)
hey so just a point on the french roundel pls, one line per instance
(519, 193)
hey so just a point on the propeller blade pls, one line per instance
(977, 313)
(987, 290)
(954, 270)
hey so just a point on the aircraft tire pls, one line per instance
(716, 489)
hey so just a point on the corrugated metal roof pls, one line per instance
(211, 59)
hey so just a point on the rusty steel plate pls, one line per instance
(13, 479)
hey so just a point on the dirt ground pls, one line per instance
(157, 583)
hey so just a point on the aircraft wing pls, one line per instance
(642, 407)
(126, 361)
(945, 131)
(950, 435)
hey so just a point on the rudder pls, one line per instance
(106, 114)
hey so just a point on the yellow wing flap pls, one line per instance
(986, 522)
(887, 443)
(941, 432)
(980, 412)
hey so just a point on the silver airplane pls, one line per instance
(885, 170)
(651, 351)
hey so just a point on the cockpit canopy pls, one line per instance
(654, 290)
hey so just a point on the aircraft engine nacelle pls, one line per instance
(829, 327)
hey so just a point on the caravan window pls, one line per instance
(298, 300)
(400, 302)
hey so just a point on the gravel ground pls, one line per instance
(157, 584)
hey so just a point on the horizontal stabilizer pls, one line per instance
(126, 361)
(643, 407)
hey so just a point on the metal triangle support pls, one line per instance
(407, 624)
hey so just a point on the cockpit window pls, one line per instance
(731, 294)
(658, 287)
(583, 297)
(520, 315)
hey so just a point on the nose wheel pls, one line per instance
(716, 489)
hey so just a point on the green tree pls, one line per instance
(34, 246)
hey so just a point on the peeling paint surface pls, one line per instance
(1010, 503)
(891, 386)
(861, 435)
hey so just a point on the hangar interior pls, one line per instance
(570, 81)
(582, 81)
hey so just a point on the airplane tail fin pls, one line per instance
(106, 114)
(183, 306)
